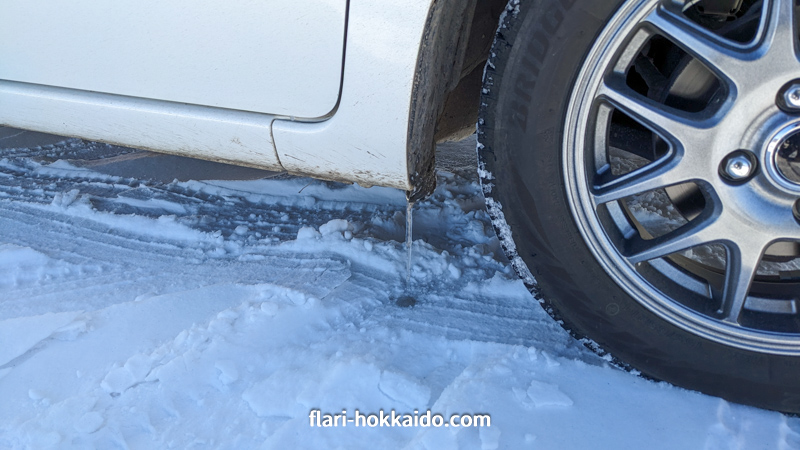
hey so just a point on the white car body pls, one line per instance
(587, 110)
(327, 88)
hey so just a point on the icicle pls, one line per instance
(407, 300)
(409, 240)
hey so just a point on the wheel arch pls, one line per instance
(445, 101)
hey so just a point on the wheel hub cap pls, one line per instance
(783, 156)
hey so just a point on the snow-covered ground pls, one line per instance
(138, 313)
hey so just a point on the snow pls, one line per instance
(21, 334)
(217, 314)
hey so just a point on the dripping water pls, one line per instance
(407, 300)
(409, 223)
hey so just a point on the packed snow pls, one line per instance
(140, 313)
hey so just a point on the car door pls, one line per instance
(266, 56)
(259, 83)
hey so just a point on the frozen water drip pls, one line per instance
(409, 223)
(407, 300)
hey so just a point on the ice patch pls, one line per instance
(134, 371)
(19, 335)
(152, 204)
(547, 395)
(89, 422)
(227, 371)
(335, 226)
(139, 366)
(305, 233)
(64, 199)
(287, 296)
(404, 389)
(71, 331)
(118, 380)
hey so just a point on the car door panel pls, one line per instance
(268, 56)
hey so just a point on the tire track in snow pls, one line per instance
(215, 211)
(274, 217)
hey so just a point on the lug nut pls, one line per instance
(738, 167)
(792, 97)
(788, 98)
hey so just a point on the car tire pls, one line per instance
(539, 121)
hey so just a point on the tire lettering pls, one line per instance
(532, 59)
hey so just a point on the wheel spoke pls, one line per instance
(702, 230)
(779, 36)
(741, 268)
(710, 49)
(673, 127)
(665, 172)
